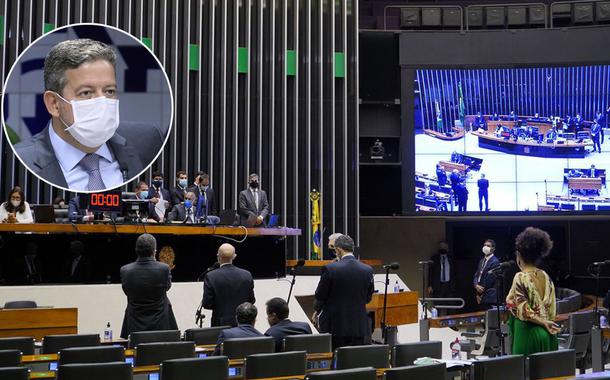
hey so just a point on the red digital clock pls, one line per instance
(109, 201)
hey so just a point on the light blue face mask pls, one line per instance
(182, 182)
(144, 194)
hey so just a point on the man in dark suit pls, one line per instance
(345, 287)
(456, 179)
(206, 198)
(178, 192)
(184, 212)
(441, 175)
(145, 283)
(159, 198)
(226, 287)
(441, 274)
(245, 316)
(253, 202)
(483, 185)
(77, 268)
(462, 197)
(91, 152)
(281, 326)
(485, 282)
(597, 135)
(479, 122)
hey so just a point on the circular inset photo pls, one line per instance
(87, 107)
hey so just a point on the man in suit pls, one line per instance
(184, 212)
(441, 274)
(226, 287)
(77, 268)
(145, 283)
(462, 197)
(245, 316)
(483, 185)
(441, 175)
(206, 198)
(253, 202)
(84, 147)
(281, 326)
(178, 192)
(485, 282)
(331, 253)
(479, 122)
(345, 287)
(597, 135)
(159, 198)
(456, 179)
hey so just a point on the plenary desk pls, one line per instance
(38, 322)
(109, 246)
(584, 183)
(532, 148)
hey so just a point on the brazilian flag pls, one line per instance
(316, 234)
(462, 106)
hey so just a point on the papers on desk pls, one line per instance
(448, 363)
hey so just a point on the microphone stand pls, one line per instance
(500, 289)
(199, 316)
(384, 327)
(294, 275)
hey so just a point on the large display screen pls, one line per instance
(512, 139)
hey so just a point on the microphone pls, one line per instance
(300, 263)
(393, 266)
(425, 262)
(503, 266)
(601, 263)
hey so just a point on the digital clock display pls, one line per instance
(109, 201)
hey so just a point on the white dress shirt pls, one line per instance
(255, 195)
(76, 177)
(22, 217)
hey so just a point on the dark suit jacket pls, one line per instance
(434, 272)
(488, 280)
(345, 287)
(134, 145)
(210, 197)
(284, 328)
(483, 185)
(152, 193)
(247, 206)
(177, 195)
(75, 213)
(146, 282)
(441, 175)
(241, 331)
(82, 272)
(223, 290)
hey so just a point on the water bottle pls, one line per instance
(455, 349)
(108, 333)
(396, 287)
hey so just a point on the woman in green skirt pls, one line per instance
(531, 298)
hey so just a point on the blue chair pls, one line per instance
(588, 207)
(567, 206)
(554, 204)
(603, 208)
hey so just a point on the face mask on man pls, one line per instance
(144, 194)
(15, 203)
(157, 183)
(254, 184)
(182, 182)
(95, 120)
(486, 250)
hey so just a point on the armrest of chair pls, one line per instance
(468, 334)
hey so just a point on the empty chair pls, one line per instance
(366, 373)
(417, 372)
(20, 305)
(406, 354)
(14, 373)
(52, 344)
(136, 338)
(99, 354)
(312, 344)
(95, 371)
(552, 364)
(579, 337)
(280, 364)
(155, 353)
(23, 344)
(212, 368)
(204, 336)
(377, 356)
(239, 348)
(10, 358)
(511, 367)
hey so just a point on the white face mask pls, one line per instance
(486, 250)
(15, 203)
(95, 120)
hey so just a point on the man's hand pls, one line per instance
(315, 320)
(151, 220)
(259, 220)
(154, 200)
(479, 289)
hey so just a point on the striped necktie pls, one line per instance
(91, 164)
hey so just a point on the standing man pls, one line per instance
(597, 135)
(345, 287)
(485, 282)
(441, 274)
(462, 196)
(226, 287)
(253, 202)
(441, 175)
(177, 193)
(159, 198)
(206, 198)
(483, 184)
(456, 179)
(281, 326)
(332, 255)
(145, 283)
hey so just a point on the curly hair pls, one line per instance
(533, 244)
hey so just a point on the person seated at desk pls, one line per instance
(281, 326)
(59, 202)
(245, 314)
(578, 123)
(512, 116)
(479, 122)
(143, 195)
(184, 212)
(16, 209)
(550, 135)
(573, 173)
(494, 117)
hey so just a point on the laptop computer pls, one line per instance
(44, 213)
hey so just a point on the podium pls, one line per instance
(401, 308)
(38, 322)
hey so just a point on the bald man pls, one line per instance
(226, 287)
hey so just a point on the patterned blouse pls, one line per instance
(526, 303)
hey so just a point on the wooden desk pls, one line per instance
(449, 166)
(585, 183)
(38, 322)
(401, 308)
(321, 263)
